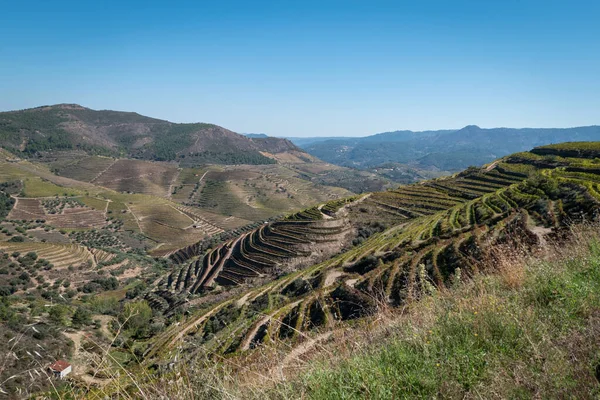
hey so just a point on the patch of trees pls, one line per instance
(11, 187)
(101, 284)
(170, 141)
(223, 157)
(6, 204)
(17, 272)
(135, 317)
(57, 205)
(56, 140)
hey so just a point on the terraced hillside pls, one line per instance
(436, 232)
(60, 255)
(431, 197)
(268, 250)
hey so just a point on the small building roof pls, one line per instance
(60, 366)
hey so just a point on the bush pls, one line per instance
(136, 318)
(81, 317)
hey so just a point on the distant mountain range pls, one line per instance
(445, 150)
(71, 127)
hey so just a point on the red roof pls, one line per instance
(60, 366)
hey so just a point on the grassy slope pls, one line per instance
(529, 331)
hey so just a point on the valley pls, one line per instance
(171, 261)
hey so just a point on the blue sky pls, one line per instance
(310, 68)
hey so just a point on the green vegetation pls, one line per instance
(173, 140)
(6, 204)
(39, 187)
(311, 214)
(226, 157)
(136, 317)
(443, 225)
(45, 131)
(57, 205)
(46, 121)
(585, 146)
(521, 333)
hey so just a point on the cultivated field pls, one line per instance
(137, 176)
(77, 217)
(258, 192)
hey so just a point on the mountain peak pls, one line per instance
(471, 128)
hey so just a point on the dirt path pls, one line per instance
(245, 345)
(137, 220)
(541, 232)
(104, 321)
(331, 277)
(202, 177)
(173, 180)
(491, 166)
(104, 170)
(325, 216)
(194, 324)
(108, 201)
(197, 192)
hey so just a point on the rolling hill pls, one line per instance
(70, 127)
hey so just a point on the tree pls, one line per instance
(136, 317)
(81, 317)
(58, 314)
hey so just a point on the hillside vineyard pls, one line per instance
(434, 229)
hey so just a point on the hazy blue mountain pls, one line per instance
(447, 150)
(307, 141)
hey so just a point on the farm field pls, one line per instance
(79, 217)
(84, 169)
(137, 177)
(259, 192)
(121, 175)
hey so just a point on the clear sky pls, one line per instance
(309, 68)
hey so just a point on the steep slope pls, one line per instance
(73, 127)
(411, 238)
